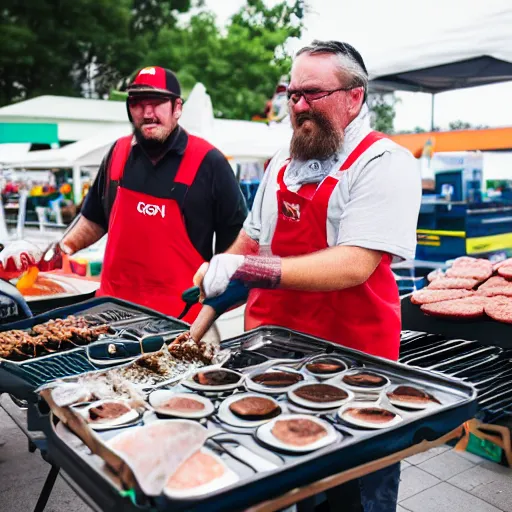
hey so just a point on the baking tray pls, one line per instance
(21, 378)
(484, 330)
(263, 346)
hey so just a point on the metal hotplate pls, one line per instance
(21, 378)
(266, 346)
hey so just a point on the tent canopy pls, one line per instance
(478, 54)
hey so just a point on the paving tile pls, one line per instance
(404, 464)
(478, 475)
(498, 469)
(471, 457)
(446, 465)
(447, 498)
(414, 480)
(422, 457)
(401, 509)
(498, 493)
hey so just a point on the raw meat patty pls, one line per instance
(452, 283)
(500, 309)
(470, 272)
(197, 470)
(430, 296)
(505, 272)
(182, 404)
(469, 307)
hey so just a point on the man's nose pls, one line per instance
(148, 110)
(301, 106)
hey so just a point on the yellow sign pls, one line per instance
(489, 243)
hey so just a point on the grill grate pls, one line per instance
(488, 368)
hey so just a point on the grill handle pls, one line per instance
(11, 292)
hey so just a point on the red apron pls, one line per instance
(364, 317)
(149, 258)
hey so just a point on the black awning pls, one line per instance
(472, 72)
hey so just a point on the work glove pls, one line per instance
(252, 271)
(52, 257)
(17, 257)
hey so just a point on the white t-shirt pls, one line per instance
(375, 204)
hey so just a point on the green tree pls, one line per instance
(382, 107)
(239, 66)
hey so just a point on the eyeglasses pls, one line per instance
(309, 96)
(138, 103)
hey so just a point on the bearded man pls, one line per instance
(161, 194)
(331, 214)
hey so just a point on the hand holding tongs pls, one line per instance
(235, 295)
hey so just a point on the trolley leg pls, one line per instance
(47, 489)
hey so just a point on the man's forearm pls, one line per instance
(244, 245)
(83, 234)
(332, 269)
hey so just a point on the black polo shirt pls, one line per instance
(213, 204)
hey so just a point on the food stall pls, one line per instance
(277, 415)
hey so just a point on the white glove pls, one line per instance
(219, 273)
(17, 257)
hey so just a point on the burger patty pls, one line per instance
(430, 296)
(470, 272)
(452, 283)
(254, 408)
(505, 272)
(321, 393)
(277, 379)
(469, 307)
(299, 432)
(500, 309)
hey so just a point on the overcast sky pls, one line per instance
(380, 30)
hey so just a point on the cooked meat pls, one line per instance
(500, 309)
(451, 283)
(277, 379)
(216, 378)
(323, 367)
(199, 469)
(431, 296)
(459, 308)
(254, 408)
(371, 414)
(410, 394)
(321, 393)
(186, 349)
(107, 411)
(365, 380)
(299, 432)
(49, 337)
(182, 404)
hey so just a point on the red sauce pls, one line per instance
(44, 286)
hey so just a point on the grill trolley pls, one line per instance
(286, 478)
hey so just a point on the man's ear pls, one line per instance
(177, 111)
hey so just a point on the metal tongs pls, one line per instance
(235, 295)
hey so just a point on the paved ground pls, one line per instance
(440, 480)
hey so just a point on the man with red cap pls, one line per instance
(162, 195)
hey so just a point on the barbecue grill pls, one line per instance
(263, 347)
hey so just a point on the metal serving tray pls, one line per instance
(484, 330)
(21, 378)
(245, 455)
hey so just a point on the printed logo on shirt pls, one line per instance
(290, 210)
(151, 209)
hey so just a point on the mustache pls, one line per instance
(150, 120)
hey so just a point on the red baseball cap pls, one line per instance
(155, 80)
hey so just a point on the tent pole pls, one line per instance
(432, 104)
(77, 184)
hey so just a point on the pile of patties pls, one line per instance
(470, 288)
